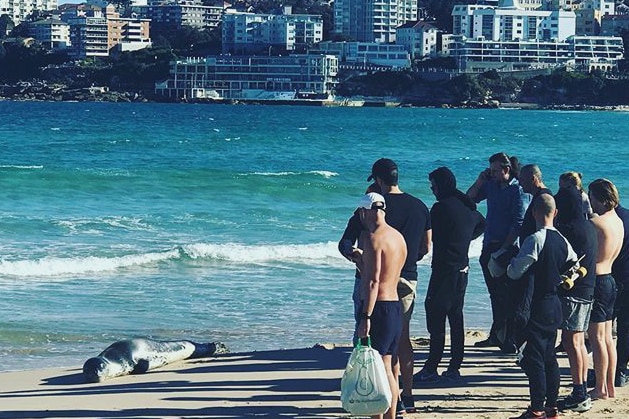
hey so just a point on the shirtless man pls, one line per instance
(610, 231)
(381, 261)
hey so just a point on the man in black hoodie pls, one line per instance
(577, 302)
(455, 223)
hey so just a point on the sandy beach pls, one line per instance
(296, 383)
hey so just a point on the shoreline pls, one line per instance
(97, 95)
(298, 383)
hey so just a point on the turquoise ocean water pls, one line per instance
(213, 222)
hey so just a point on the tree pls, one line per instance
(21, 62)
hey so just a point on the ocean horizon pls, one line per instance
(220, 223)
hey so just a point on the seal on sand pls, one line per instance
(137, 356)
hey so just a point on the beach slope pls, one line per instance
(296, 383)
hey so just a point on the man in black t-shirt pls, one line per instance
(410, 216)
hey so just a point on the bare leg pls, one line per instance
(612, 356)
(393, 384)
(600, 356)
(574, 344)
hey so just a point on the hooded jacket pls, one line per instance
(455, 222)
(581, 234)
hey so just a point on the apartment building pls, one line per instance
(419, 39)
(510, 24)
(511, 38)
(250, 33)
(372, 21)
(18, 10)
(177, 13)
(53, 34)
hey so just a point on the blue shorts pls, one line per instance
(386, 327)
(604, 299)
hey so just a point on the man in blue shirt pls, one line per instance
(506, 206)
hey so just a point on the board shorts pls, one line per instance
(406, 291)
(576, 314)
(386, 327)
(604, 299)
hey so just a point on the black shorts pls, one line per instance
(604, 299)
(386, 327)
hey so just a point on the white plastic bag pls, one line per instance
(365, 389)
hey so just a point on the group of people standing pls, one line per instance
(531, 238)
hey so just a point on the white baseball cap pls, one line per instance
(368, 201)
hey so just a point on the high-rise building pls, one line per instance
(372, 20)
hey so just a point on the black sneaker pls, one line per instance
(452, 375)
(551, 412)
(409, 404)
(529, 414)
(621, 379)
(487, 343)
(426, 377)
(578, 404)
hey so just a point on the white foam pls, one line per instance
(325, 173)
(10, 166)
(263, 253)
(51, 267)
(323, 253)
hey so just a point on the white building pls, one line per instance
(585, 53)
(363, 54)
(251, 77)
(510, 23)
(419, 38)
(246, 33)
(372, 21)
(509, 38)
(18, 10)
(52, 33)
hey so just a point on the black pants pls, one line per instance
(539, 362)
(622, 328)
(502, 303)
(444, 299)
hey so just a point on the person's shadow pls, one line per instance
(250, 380)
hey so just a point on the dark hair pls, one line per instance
(505, 161)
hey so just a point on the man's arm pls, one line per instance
(475, 191)
(479, 226)
(527, 256)
(371, 280)
(520, 202)
(424, 246)
(349, 237)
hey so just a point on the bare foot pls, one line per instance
(595, 395)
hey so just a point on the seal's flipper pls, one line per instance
(141, 367)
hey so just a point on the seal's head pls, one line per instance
(96, 370)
